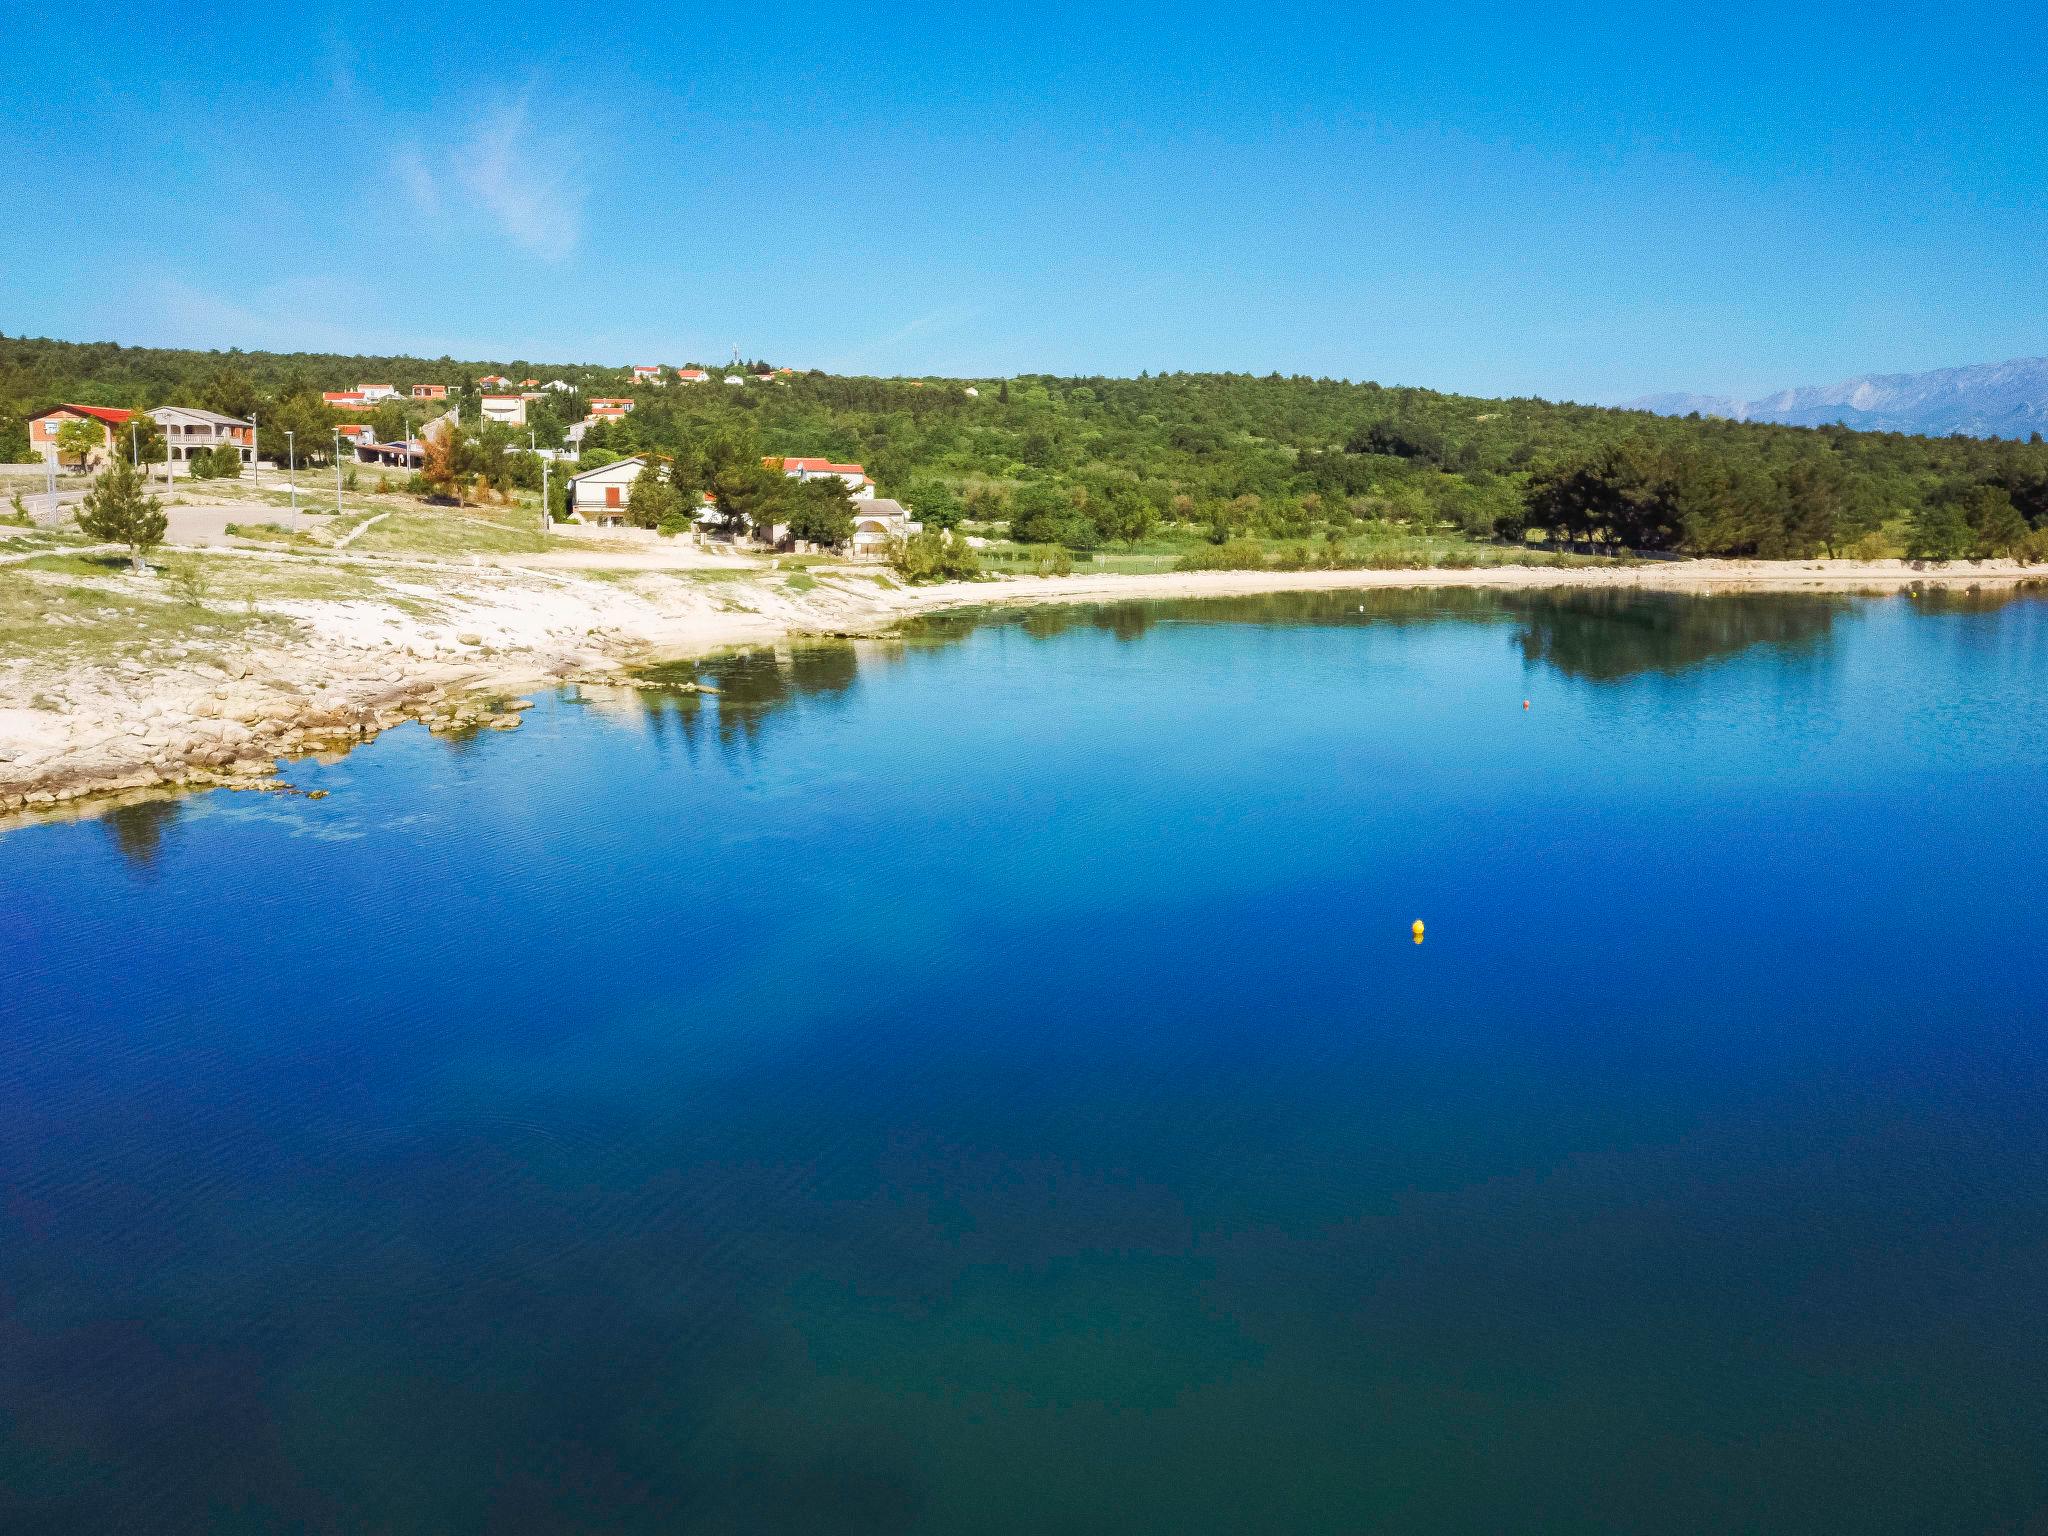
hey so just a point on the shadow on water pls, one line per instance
(744, 690)
(137, 831)
(1606, 636)
(1590, 634)
(1593, 634)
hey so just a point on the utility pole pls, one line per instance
(135, 449)
(337, 471)
(255, 453)
(291, 448)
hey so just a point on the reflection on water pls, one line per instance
(1594, 634)
(138, 830)
(993, 1088)
(1599, 633)
(1603, 635)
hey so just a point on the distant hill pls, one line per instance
(1989, 400)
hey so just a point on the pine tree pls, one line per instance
(119, 510)
(654, 501)
(1938, 531)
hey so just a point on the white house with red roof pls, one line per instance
(375, 392)
(647, 373)
(44, 426)
(858, 485)
(358, 433)
(494, 381)
(610, 405)
(344, 400)
(692, 376)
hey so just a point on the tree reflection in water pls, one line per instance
(1594, 634)
(751, 688)
(138, 831)
(1605, 636)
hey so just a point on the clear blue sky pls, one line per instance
(1547, 200)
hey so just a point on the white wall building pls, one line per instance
(602, 495)
(880, 522)
(509, 409)
(858, 485)
(188, 430)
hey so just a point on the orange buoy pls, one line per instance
(1525, 703)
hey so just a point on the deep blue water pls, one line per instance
(987, 1084)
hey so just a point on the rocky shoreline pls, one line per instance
(233, 720)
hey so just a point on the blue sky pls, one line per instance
(1564, 201)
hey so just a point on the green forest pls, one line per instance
(1215, 459)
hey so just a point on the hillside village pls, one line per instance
(1204, 470)
(181, 442)
(393, 539)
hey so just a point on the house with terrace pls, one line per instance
(189, 431)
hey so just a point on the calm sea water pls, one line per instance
(986, 1084)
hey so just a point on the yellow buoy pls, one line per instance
(1417, 930)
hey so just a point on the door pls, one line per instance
(611, 495)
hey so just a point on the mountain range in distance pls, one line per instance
(1989, 400)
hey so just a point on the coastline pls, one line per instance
(328, 675)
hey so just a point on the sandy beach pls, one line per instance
(455, 644)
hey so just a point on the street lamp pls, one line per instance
(533, 442)
(337, 471)
(291, 473)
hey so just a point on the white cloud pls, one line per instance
(410, 167)
(522, 183)
(506, 172)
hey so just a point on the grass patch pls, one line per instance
(423, 532)
(61, 621)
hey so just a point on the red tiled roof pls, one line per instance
(111, 415)
(817, 466)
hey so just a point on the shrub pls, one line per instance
(935, 554)
(1237, 554)
(189, 580)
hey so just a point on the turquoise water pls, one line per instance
(986, 1084)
